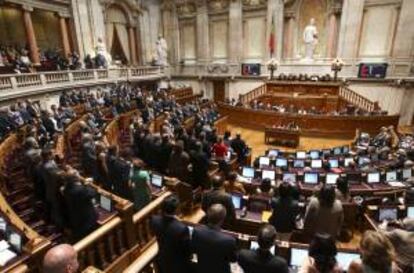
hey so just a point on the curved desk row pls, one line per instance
(310, 125)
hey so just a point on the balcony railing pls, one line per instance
(44, 80)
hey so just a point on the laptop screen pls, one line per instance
(337, 151)
(316, 164)
(410, 212)
(273, 153)
(391, 176)
(268, 174)
(389, 214)
(326, 152)
(264, 161)
(248, 172)
(373, 178)
(345, 149)
(156, 180)
(289, 177)
(311, 178)
(314, 154)
(331, 178)
(255, 245)
(362, 160)
(237, 201)
(301, 155)
(281, 162)
(344, 259)
(15, 240)
(299, 163)
(407, 173)
(347, 161)
(105, 203)
(334, 163)
(297, 256)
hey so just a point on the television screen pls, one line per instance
(372, 70)
(251, 69)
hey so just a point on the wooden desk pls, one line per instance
(282, 136)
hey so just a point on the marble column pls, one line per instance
(349, 33)
(332, 35)
(235, 32)
(288, 37)
(64, 35)
(30, 35)
(171, 30)
(402, 43)
(275, 10)
(132, 47)
(203, 41)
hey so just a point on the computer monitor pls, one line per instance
(15, 240)
(326, 152)
(237, 200)
(289, 177)
(331, 178)
(347, 161)
(281, 162)
(105, 203)
(268, 174)
(248, 172)
(264, 161)
(410, 212)
(373, 178)
(334, 163)
(310, 178)
(156, 180)
(316, 164)
(407, 173)
(337, 151)
(255, 245)
(3, 224)
(300, 154)
(314, 154)
(344, 259)
(297, 256)
(389, 214)
(273, 153)
(391, 176)
(299, 163)
(345, 149)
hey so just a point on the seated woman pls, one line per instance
(321, 259)
(232, 185)
(324, 213)
(377, 255)
(140, 187)
(342, 190)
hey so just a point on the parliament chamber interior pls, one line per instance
(207, 136)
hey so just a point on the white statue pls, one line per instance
(310, 37)
(103, 58)
(161, 51)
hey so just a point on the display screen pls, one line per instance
(347, 161)
(268, 174)
(248, 172)
(391, 176)
(300, 155)
(297, 256)
(389, 214)
(273, 153)
(314, 154)
(331, 178)
(255, 245)
(289, 177)
(156, 180)
(105, 203)
(344, 259)
(373, 178)
(237, 201)
(264, 161)
(281, 162)
(299, 163)
(311, 178)
(316, 163)
(334, 163)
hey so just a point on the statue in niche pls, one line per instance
(310, 37)
(161, 51)
(102, 58)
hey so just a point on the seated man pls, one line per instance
(262, 260)
(61, 259)
(214, 249)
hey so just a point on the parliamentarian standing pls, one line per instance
(214, 249)
(173, 239)
(262, 260)
(118, 172)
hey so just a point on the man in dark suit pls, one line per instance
(119, 173)
(89, 163)
(173, 239)
(262, 260)
(214, 249)
(239, 147)
(219, 196)
(200, 164)
(81, 212)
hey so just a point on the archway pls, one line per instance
(117, 33)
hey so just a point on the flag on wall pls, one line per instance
(272, 38)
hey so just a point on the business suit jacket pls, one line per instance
(219, 196)
(403, 241)
(173, 243)
(200, 163)
(253, 261)
(284, 214)
(80, 210)
(214, 249)
(119, 174)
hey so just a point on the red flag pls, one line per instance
(272, 38)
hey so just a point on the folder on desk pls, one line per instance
(266, 216)
(5, 256)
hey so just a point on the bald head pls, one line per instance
(216, 215)
(61, 259)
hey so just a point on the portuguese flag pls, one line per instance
(272, 38)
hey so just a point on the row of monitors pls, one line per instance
(314, 154)
(330, 178)
(281, 162)
(11, 236)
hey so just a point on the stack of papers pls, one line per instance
(5, 253)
